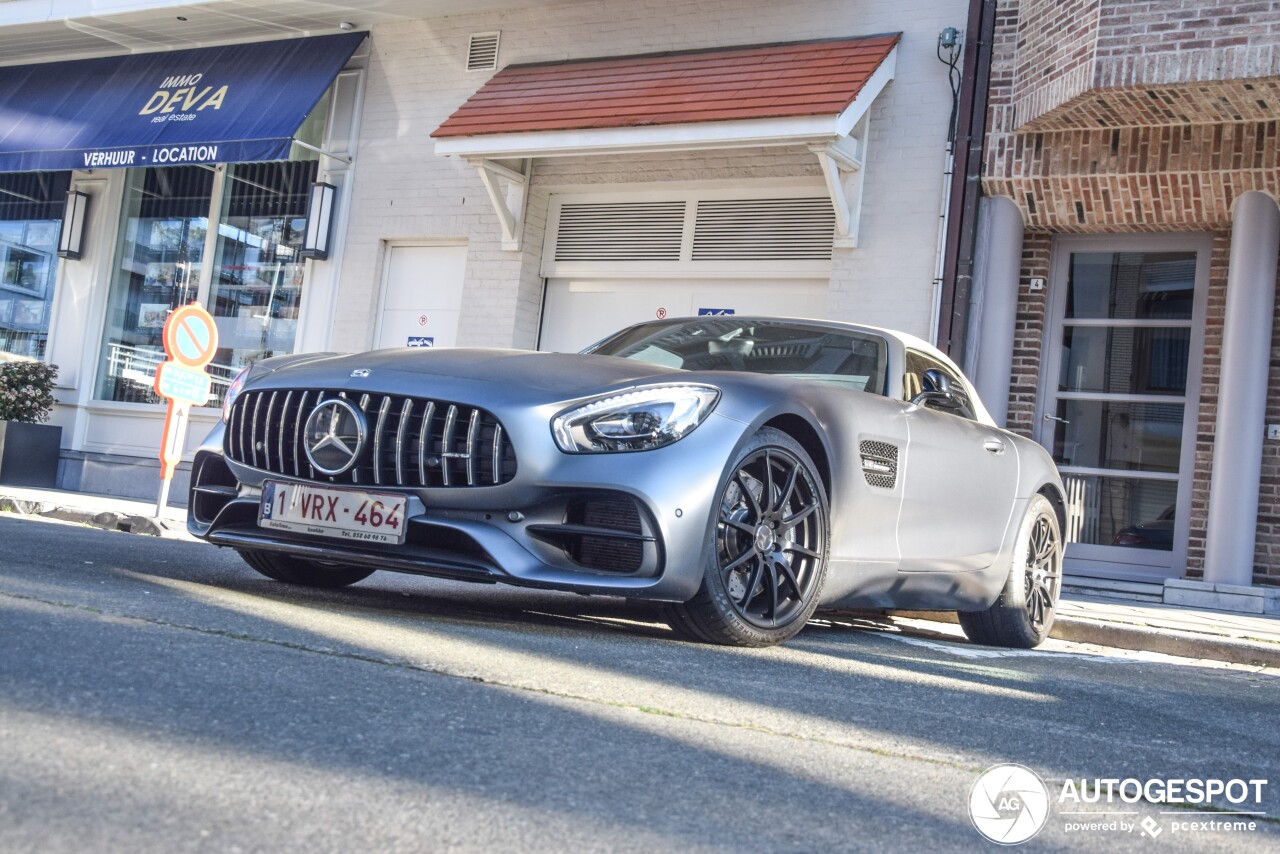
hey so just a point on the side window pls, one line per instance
(915, 382)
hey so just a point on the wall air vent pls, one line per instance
(482, 51)
(620, 231)
(764, 230)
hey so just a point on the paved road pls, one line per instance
(157, 695)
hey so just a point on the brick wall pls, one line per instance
(1210, 376)
(1054, 61)
(1138, 178)
(1159, 42)
(416, 78)
(1029, 335)
(1180, 60)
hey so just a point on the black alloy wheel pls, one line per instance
(769, 551)
(1022, 615)
(1044, 572)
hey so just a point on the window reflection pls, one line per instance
(1119, 511)
(258, 273)
(1131, 285)
(157, 268)
(31, 206)
(1125, 360)
(255, 286)
(1110, 434)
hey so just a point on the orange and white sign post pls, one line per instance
(190, 340)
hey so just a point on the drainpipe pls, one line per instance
(947, 41)
(966, 182)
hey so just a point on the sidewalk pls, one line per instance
(1082, 618)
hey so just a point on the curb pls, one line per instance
(106, 520)
(1142, 638)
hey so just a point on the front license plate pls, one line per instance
(344, 514)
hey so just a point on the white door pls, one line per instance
(579, 312)
(421, 296)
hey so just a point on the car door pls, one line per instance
(959, 481)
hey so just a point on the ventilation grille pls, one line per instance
(764, 230)
(623, 231)
(879, 463)
(796, 229)
(411, 441)
(482, 52)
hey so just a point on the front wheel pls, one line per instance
(767, 558)
(1023, 614)
(292, 570)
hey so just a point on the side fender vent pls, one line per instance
(879, 463)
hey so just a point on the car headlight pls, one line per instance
(233, 391)
(635, 420)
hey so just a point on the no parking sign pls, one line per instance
(190, 340)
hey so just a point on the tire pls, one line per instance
(1022, 616)
(292, 570)
(766, 560)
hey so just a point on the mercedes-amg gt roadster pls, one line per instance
(742, 471)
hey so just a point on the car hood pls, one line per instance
(558, 376)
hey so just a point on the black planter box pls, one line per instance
(29, 454)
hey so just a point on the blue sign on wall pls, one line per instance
(420, 341)
(714, 312)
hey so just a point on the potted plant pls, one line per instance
(29, 448)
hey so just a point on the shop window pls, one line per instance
(248, 220)
(258, 274)
(31, 206)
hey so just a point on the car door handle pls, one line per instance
(995, 446)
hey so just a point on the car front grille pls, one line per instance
(411, 441)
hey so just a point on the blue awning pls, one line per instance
(230, 104)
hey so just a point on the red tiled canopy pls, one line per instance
(773, 81)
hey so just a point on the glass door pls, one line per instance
(1118, 409)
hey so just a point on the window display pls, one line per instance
(257, 278)
(30, 215)
(253, 287)
(158, 264)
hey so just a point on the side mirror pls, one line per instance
(937, 390)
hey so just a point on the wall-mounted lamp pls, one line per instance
(71, 237)
(315, 243)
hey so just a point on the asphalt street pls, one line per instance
(158, 695)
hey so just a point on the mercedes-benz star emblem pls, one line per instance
(334, 436)
(361, 373)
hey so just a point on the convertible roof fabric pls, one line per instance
(769, 81)
(229, 104)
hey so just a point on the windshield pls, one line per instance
(846, 357)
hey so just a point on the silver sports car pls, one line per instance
(743, 471)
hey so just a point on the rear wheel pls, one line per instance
(292, 570)
(1022, 616)
(767, 559)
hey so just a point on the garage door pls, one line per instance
(612, 262)
(579, 312)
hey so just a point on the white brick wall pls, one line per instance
(416, 78)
